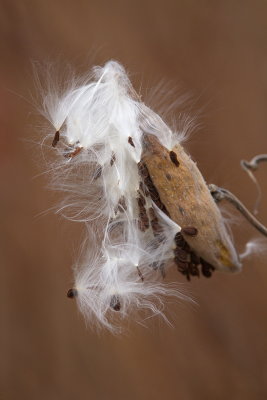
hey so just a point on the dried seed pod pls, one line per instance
(187, 191)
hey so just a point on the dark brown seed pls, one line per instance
(189, 230)
(173, 157)
(193, 269)
(206, 272)
(154, 265)
(183, 268)
(181, 254)
(140, 274)
(143, 171)
(75, 152)
(179, 240)
(115, 303)
(180, 264)
(186, 248)
(130, 141)
(206, 268)
(72, 293)
(113, 159)
(98, 173)
(181, 243)
(194, 258)
(56, 139)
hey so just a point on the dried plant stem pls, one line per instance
(221, 194)
(253, 163)
(250, 166)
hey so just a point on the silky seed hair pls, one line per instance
(98, 127)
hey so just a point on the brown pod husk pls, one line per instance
(187, 199)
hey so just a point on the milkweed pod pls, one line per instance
(187, 199)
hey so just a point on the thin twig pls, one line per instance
(221, 194)
(250, 166)
(254, 162)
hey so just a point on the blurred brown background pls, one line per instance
(217, 350)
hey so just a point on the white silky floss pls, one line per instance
(105, 120)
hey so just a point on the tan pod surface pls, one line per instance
(188, 201)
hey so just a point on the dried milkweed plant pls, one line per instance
(126, 176)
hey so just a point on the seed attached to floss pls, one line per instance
(173, 157)
(113, 159)
(115, 303)
(140, 274)
(130, 141)
(74, 153)
(97, 173)
(72, 293)
(56, 139)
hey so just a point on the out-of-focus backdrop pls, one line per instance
(217, 50)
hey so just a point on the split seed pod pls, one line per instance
(143, 200)
(187, 199)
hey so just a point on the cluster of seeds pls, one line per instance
(187, 261)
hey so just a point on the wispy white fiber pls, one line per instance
(101, 122)
(254, 247)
